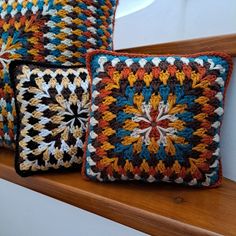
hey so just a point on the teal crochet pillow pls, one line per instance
(156, 118)
(52, 31)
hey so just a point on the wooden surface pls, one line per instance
(225, 43)
(161, 210)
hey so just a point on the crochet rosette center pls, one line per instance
(154, 124)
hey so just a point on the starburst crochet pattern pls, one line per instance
(156, 118)
(154, 124)
(53, 106)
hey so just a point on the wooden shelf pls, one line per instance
(152, 208)
(223, 43)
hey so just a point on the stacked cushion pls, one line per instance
(52, 113)
(58, 32)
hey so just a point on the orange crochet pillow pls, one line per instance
(156, 118)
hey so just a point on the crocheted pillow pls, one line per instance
(59, 32)
(156, 118)
(52, 107)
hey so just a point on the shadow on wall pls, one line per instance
(131, 6)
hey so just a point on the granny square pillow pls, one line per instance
(156, 118)
(59, 32)
(52, 106)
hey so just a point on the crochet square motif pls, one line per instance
(59, 32)
(156, 118)
(52, 106)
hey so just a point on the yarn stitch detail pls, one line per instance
(156, 118)
(52, 107)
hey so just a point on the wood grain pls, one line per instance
(225, 43)
(152, 208)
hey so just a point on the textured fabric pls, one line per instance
(156, 118)
(52, 111)
(59, 32)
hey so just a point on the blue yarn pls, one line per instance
(215, 177)
(82, 50)
(82, 39)
(164, 92)
(16, 36)
(129, 93)
(128, 152)
(82, 17)
(56, 19)
(9, 107)
(185, 116)
(179, 92)
(9, 9)
(186, 133)
(161, 154)
(121, 101)
(181, 150)
(100, 32)
(22, 51)
(5, 36)
(179, 154)
(122, 133)
(122, 116)
(5, 128)
(147, 93)
(56, 53)
(82, 5)
(101, 2)
(6, 78)
(81, 60)
(99, 43)
(82, 27)
(188, 99)
(99, 22)
(40, 5)
(119, 148)
(57, 6)
(99, 11)
(29, 5)
(55, 41)
(145, 153)
(56, 30)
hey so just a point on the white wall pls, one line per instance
(26, 213)
(172, 20)
(228, 132)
